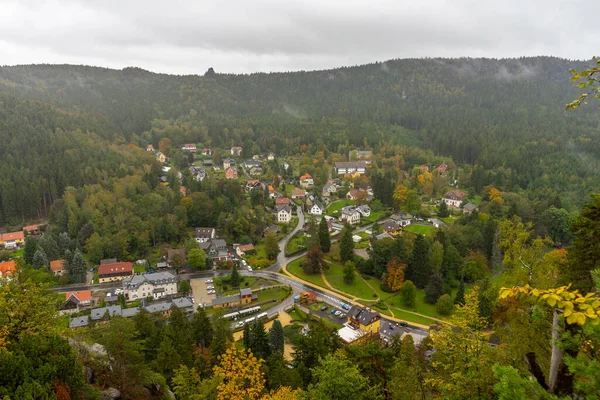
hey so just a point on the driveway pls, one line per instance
(199, 291)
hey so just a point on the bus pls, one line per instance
(248, 311)
(232, 316)
(261, 315)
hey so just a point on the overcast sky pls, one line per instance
(242, 36)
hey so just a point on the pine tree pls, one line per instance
(324, 238)
(460, 294)
(419, 269)
(64, 243)
(349, 274)
(202, 330)
(443, 211)
(30, 248)
(276, 338)
(434, 289)
(271, 246)
(235, 278)
(40, 261)
(259, 342)
(77, 268)
(50, 246)
(247, 338)
(346, 245)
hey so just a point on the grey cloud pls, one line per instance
(276, 35)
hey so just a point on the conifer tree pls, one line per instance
(324, 238)
(276, 338)
(346, 245)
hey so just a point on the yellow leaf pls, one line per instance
(581, 318)
(568, 312)
(572, 318)
(551, 301)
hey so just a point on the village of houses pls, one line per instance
(158, 291)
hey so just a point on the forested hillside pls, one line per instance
(505, 115)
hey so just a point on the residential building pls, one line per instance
(402, 219)
(236, 151)
(228, 162)
(8, 269)
(353, 194)
(272, 228)
(12, 240)
(360, 155)
(270, 188)
(252, 183)
(271, 156)
(441, 169)
(149, 148)
(207, 163)
(79, 322)
(454, 198)
(436, 222)
(204, 234)
(383, 235)
(244, 297)
(216, 249)
(364, 210)
(470, 208)
(33, 230)
(156, 285)
(242, 249)
(391, 228)
(114, 271)
(364, 319)
(284, 213)
(190, 147)
(351, 167)
(160, 157)
(306, 181)
(199, 173)
(57, 267)
(74, 301)
(280, 201)
(206, 151)
(110, 311)
(231, 173)
(389, 329)
(317, 208)
(350, 215)
(298, 193)
(251, 163)
(329, 189)
(256, 171)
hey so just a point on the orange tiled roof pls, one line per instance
(305, 176)
(8, 268)
(31, 228)
(115, 268)
(13, 236)
(81, 295)
(57, 265)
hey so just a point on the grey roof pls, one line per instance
(158, 278)
(363, 208)
(252, 163)
(158, 307)
(351, 164)
(389, 329)
(183, 302)
(226, 299)
(391, 226)
(348, 210)
(219, 243)
(130, 312)
(245, 291)
(470, 207)
(108, 261)
(98, 313)
(79, 321)
(363, 315)
(205, 232)
(284, 207)
(229, 160)
(383, 235)
(436, 221)
(318, 204)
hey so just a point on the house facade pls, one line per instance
(216, 249)
(306, 181)
(454, 198)
(364, 319)
(204, 234)
(329, 189)
(236, 151)
(160, 157)
(57, 267)
(149, 148)
(189, 147)
(156, 285)
(469, 208)
(364, 210)
(350, 215)
(8, 269)
(243, 249)
(298, 193)
(317, 208)
(284, 213)
(12, 240)
(228, 162)
(392, 228)
(244, 297)
(74, 301)
(231, 173)
(112, 272)
(351, 167)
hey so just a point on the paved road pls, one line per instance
(281, 258)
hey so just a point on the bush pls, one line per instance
(247, 284)
(444, 305)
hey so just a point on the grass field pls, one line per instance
(411, 317)
(139, 269)
(296, 243)
(295, 268)
(360, 289)
(337, 205)
(276, 293)
(375, 216)
(427, 230)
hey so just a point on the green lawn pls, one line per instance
(411, 317)
(18, 254)
(475, 200)
(375, 216)
(232, 291)
(449, 220)
(427, 230)
(337, 205)
(335, 276)
(139, 269)
(296, 243)
(276, 293)
(295, 268)
(288, 189)
(96, 279)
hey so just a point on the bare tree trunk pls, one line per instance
(557, 353)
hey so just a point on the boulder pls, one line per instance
(111, 394)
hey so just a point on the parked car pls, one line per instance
(342, 315)
(209, 281)
(210, 287)
(403, 324)
(345, 307)
(333, 310)
(92, 269)
(323, 308)
(249, 268)
(338, 313)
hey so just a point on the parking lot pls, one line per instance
(328, 315)
(200, 293)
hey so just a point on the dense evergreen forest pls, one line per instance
(507, 116)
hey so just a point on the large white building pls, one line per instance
(351, 215)
(204, 234)
(284, 213)
(317, 208)
(157, 285)
(352, 167)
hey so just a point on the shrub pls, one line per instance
(444, 305)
